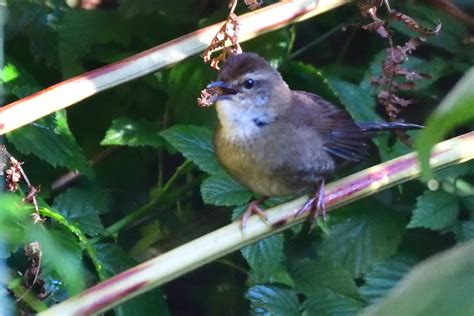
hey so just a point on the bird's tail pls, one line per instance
(386, 126)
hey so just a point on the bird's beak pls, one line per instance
(220, 90)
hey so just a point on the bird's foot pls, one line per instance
(315, 205)
(254, 208)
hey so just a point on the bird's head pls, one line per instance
(250, 93)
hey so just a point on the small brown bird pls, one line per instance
(277, 141)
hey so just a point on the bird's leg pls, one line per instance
(315, 205)
(254, 208)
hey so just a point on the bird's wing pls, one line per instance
(342, 137)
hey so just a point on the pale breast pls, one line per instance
(281, 160)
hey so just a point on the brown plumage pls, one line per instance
(277, 141)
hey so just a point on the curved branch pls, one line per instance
(71, 91)
(214, 245)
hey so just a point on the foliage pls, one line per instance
(144, 197)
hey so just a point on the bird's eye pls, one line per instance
(249, 83)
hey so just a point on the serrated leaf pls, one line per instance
(311, 276)
(435, 210)
(272, 300)
(195, 143)
(362, 237)
(265, 255)
(327, 302)
(82, 208)
(128, 132)
(384, 276)
(77, 159)
(222, 190)
(278, 275)
(50, 142)
(358, 102)
(441, 285)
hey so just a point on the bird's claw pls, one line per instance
(254, 208)
(316, 206)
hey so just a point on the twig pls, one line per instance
(14, 174)
(64, 180)
(71, 91)
(214, 245)
(151, 205)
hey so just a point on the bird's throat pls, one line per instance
(240, 123)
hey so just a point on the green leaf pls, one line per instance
(81, 29)
(77, 159)
(265, 255)
(15, 219)
(312, 275)
(128, 132)
(195, 143)
(82, 208)
(61, 254)
(9, 73)
(465, 231)
(454, 110)
(384, 276)
(51, 142)
(308, 78)
(184, 82)
(327, 302)
(115, 260)
(272, 300)
(441, 285)
(222, 190)
(359, 102)
(17, 81)
(435, 210)
(362, 237)
(278, 275)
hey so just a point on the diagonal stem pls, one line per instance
(73, 90)
(217, 244)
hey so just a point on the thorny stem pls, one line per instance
(83, 240)
(316, 41)
(31, 189)
(67, 178)
(225, 240)
(73, 90)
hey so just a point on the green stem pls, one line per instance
(147, 208)
(196, 253)
(84, 242)
(26, 295)
(316, 41)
